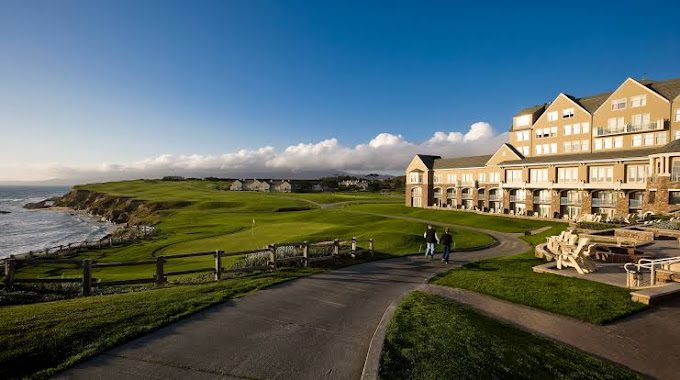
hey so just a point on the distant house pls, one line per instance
(252, 185)
(317, 187)
(360, 184)
(281, 187)
(264, 186)
(236, 186)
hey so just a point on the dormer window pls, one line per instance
(618, 104)
(567, 113)
(522, 121)
(638, 101)
(415, 177)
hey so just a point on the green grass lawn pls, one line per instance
(466, 218)
(433, 338)
(512, 279)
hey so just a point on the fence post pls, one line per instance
(354, 246)
(336, 247)
(87, 276)
(272, 255)
(370, 245)
(305, 253)
(218, 265)
(9, 272)
(160, 277)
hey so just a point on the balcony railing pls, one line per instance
(635, 203)
(630, 128)
(495, 198)
(515, 198)
(566, 201)
(603, 202)
(472, 183)
(466, 196)
(541, 200)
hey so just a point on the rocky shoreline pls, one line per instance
(114, 209)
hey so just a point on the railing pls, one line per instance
(630, 128)
(541, 200)
(635, 272)
(472, 183)
(603, 202)
(495, 198)
(466, 196)
(565, 201)
(634, 203)
(268, 258)
(513, 198)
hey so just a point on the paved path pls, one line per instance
(312, 328)
(648, 342)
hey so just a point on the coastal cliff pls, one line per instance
(115, 209)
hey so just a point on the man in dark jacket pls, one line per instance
(431, 239)
(447, 242)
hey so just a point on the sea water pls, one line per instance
(25, 230)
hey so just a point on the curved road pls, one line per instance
(311, 328)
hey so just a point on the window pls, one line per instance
(539, 149)
(553, 148)
(640, 120)
(567, 130)
(576, 146)
(601, 174)
(585, 145)
(585, 127)
(637, 140)
(677, 114)
(576, 128)
(482, 177)
(523, 136)
(674, 197)
(660, 138)
(553, 131)
(567, 113)
(567, 147)
(522, 121)
(677, 135)
(638, 101)
(513, 175)
(468, 178)
(494, 177)
(608, 143)
(615, 124)
(525, 150)
(415, 177)
(618, 104)
(649, 139)
(598, 144)
(437, 178)
(538, 175)
(567, 175)
(552, 116)
(636, 173)
(618, 142)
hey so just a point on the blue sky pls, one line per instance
(86, 82)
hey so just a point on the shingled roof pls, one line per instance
(428, 160)
(462, 162)
(530, 110)
(669, 89)
(592, 103)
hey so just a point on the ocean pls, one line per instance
(29, 230)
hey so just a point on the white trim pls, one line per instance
(577, 162)
(607, 101)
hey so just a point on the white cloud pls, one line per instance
(385, 152)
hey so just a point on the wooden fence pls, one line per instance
(88, 245)
(269, 258)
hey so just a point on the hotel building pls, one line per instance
(614, 154)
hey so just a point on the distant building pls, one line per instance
(360, 184)
(236, 186)
(281, 187)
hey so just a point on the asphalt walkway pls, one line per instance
(312, 328)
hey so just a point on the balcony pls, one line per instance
(569, 201)
(603, 202)
(635, 203)
(495, 198)
(630, 128)
(541, 201)
(466, 196)
(515, 198)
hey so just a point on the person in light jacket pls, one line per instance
(431, 240)
(447, 243)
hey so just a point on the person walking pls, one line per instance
(447, 242)
(431, 240)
